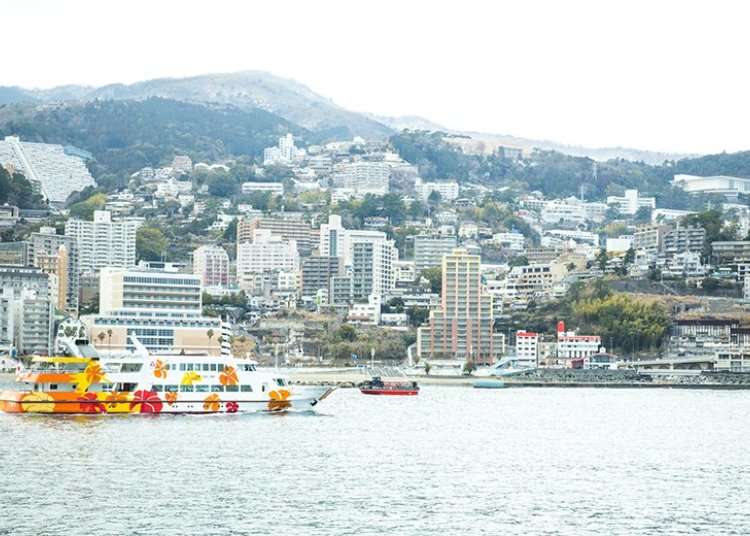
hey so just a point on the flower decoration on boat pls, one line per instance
(212, 402)
(89, 403)
(146, 402)
(117, 403)
(170, 397)
(93, 374)
(279, 400)
(229, 376)
(232, 407)
(189, 378)
(160, 369)
(38, 402)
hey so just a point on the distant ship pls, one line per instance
(153, 384)
(377, 386)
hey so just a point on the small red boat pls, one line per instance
(376, 386)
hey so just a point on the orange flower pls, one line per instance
(117, 401)
(170, 397)
(229, 376)
(160, 369)
(94, 373)
(212, 402)
(279, 400)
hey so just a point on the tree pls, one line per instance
(434, 198)
(150, 243)
(346, 333)
(210, 334)
(427, 368)
(518, 260)
(710, 284)
(417, 315)
(629, 256)
(101, 336)
(434, 276)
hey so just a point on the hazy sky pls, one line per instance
(656, 75)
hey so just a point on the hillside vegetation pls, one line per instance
(125, 136)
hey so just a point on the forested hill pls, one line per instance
(556, 174)
(125, 136)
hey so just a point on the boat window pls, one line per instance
(129, 387)
(280, 382)
(182, 367)
(170, 388)
(190, 367)
(186, 388)
(205, 367)
(213, 367)
(220, 367)
(157, 388)
(106, 387)
(232, 388)
(265, 386)
(53, 387)
(246, 388)
(201, 388)
(217, 388)
(131, 367)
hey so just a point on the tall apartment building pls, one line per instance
(266, 252)
(103, 242)
(527, 348)
(362, 178)
(317, 273)
(304, 236)
(370, 256)
(162, 308)
(448, 190)
(373, 268)
(684, 239)
(15, 253)
(430, 250)
(26, 310)
(58, 255)
(54, 171)
(211, 264)
(649, 238)
(631, 202)
(463, 326)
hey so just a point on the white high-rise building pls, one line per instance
(211, 264)
(162, 308)
(370, 256)
(631, 202)
(53, 170)
(266, 253)
(448, 190)
(103, 242)
(362, 178)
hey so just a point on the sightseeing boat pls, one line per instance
(376, 386)
(145, 383)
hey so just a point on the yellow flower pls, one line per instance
(38, 402)
(189, 378)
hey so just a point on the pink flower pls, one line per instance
(232, 407)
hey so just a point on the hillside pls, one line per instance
(247, 90)
(125, 136)
(559, 175)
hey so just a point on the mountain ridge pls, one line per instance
(299, 104)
